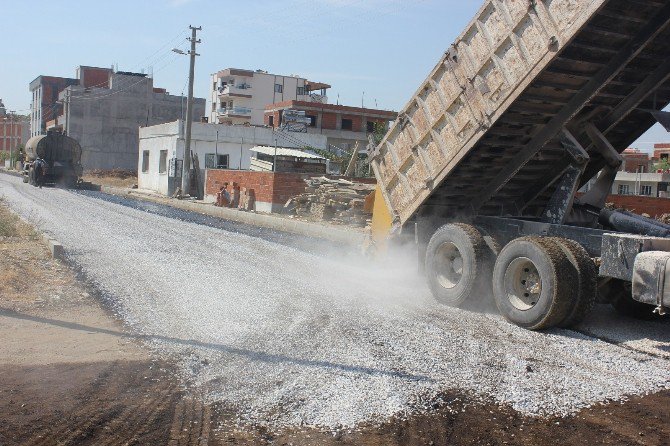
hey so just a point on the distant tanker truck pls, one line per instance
(54, 156)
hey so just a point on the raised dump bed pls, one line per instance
(531, 101)
(481, 134)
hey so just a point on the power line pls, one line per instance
(126, 87)
(48, 111)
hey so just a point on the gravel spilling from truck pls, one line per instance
(293, 338)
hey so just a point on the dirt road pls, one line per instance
(264, 355)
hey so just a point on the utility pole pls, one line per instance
(67, 112)
(186, 172)
(12, 164)
(274, 160)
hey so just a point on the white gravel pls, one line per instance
(291, 338)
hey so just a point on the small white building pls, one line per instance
(638, 183)
(161, 150)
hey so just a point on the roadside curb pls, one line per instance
(55, 247)
(10, 172)
(315, 230)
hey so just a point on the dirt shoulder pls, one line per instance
(72, 375)
(113, 178)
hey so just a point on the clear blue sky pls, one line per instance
(384, 48)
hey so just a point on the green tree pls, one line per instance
(662, 164)
(380, 129)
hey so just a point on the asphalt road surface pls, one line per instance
(294, 332)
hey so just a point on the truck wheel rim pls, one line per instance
(449, 265)
(523, 284)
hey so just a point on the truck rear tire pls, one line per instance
(458, 265)
(587, 277)
(534, 283)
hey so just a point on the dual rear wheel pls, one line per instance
(536, 282)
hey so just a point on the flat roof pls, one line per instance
(38, 80)
(292, 103)
(285, 151)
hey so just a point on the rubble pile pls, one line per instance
(664, 218)
(338, 201)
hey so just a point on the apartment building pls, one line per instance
(239, 96)
(44, 104)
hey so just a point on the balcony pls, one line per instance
(235, 90)
(235, 111)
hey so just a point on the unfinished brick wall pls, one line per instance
(641, 205)
(95, 77)
(356, 122)
(271, 190)
(329, 121)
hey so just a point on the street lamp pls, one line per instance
(178, 51)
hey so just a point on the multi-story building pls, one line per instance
(45, 106)
(14, 130)
(662, 151)
(343, 126)
(240, 96)
(634, 160)
(105, 110)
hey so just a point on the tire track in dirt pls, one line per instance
(99, 415)
(137, 419)
(191, 422)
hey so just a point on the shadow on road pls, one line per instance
(249, 354)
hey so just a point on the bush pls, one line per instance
(7, 222)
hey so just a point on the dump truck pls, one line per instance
(61, 156)
(533, 102)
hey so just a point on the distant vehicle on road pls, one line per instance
(53, 159)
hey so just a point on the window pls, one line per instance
(301, 91)
(371, 126)
(162, 162)
(347, 124)
(271, 121)
(214, 161)
(645, 190)
(279, 88)
(145, 161)
(624, 189)
(312, 120)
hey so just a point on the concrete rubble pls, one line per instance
(338, 201)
